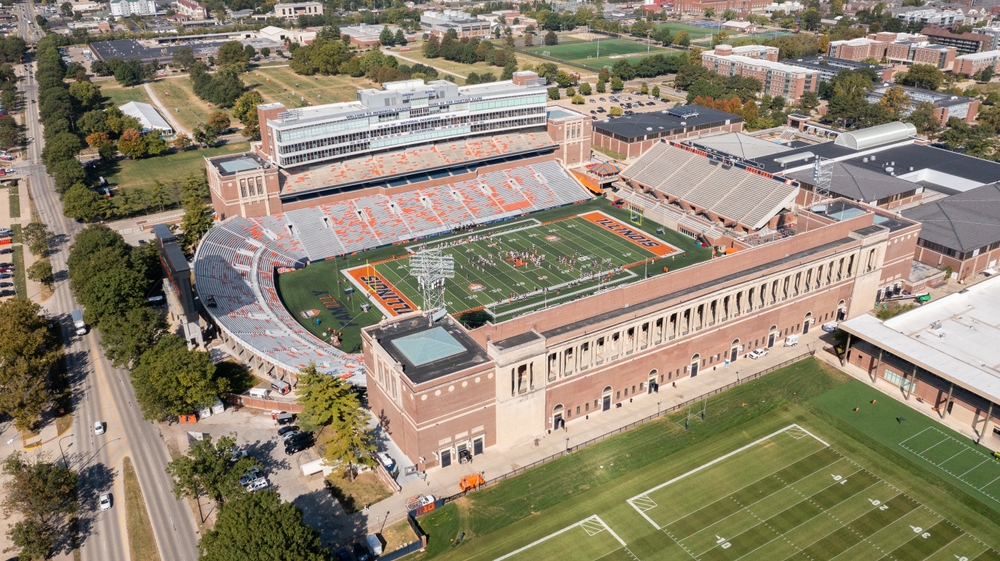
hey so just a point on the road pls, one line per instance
(101, 393)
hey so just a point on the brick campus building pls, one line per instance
(441, 389)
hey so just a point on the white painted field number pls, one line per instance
(918, 530)
(878, 503)
(840, 479)
(961, 558)
(722, 542)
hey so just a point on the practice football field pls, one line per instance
(786, 496)
(586, 53)
(772, 473)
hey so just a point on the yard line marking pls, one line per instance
(702, 467)
(558, 532)
(746, 507)
(949, 459)
(914, 436)
(822, 512)
(977, 465)
(988, 484)
(943, 440)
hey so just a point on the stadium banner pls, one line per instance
(387, 297)
(638, 237)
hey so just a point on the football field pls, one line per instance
(521, 266)
(786, 496)
(586, 53)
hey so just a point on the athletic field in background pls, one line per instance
(585, 53)
(771, 474)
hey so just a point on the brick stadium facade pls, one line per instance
(526, 377)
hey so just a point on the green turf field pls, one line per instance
(769, 475)
(564, 257)
(585, 53)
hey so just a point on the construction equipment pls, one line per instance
(471, 482)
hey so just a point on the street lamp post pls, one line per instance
(61, 453)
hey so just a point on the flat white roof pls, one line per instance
(985, 55)
(955, 337)
(147, 115)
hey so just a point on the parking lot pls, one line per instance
(257, 434)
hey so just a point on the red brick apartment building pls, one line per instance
(972, 63)
(903, 48)
(761, 63)
(442, 390)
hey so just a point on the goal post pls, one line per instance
(635, 212)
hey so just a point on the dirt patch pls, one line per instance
(398, 535)
(366, 489)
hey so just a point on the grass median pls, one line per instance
(141, 542)
(15, 201)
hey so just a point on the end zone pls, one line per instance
(653, 245)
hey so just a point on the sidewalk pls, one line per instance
(443, 482)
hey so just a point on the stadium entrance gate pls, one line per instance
(606, 399)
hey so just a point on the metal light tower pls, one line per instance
(822, 176)
(432, 267)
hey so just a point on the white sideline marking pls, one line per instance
(709, 464)
(593, 518)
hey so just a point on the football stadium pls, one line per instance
(453, 250)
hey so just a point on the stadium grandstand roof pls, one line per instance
(417, 159)
(689, 175)
(631, 128)
(964, 222)
(860, 184)
(740, 145)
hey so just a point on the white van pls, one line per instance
(388, 463)
(791, 340)
(260, 393)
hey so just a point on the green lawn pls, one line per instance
(769, 475)
(321, 287)
(130, 174)
(118, 95)
(279, 83)
(693, 31)
(20, 279)
(178, 98)
(14, 198)
(585, 53)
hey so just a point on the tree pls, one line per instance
(616, 84)
(570, 92)
(808, 102)
(601, 88)
(63, 146)
(265, 52)
(400, 38)
(551, 38)
(41, 271)
(231, 54)
(259, 526)
(585, 89)
(36, 236)
(655, 92)
(324, 399)
(28, 353)
(126, 337)
(682, 39)
(170, 380)
(183, 58)
(924, 119)
(182, 141)
(249, 52)
(554, 93)
(529, 40)
(895, 100)
(132, 144)
(67, 9)
(644, 89)
(204, 135)
(210, 469)
(578, 100)
(197, 221)
(709, 12)
(353, 442)
(43, 493)
(987, 74)
(386, 37)
(925, 76)
(730, 15)
(811, 19)
(86, 95)
(615, 111)
(83, 204)
(219, 122)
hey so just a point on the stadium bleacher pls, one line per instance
(737, 195)
(235, 265)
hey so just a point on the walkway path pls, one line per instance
(164, 111)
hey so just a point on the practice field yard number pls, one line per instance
(878, 503)
(723, 543)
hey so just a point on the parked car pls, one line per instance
(250, 476)
(258, 484)
(830, 327)
(6, 251)
(299, 437)
(104, 501)
(295, 447)
(361, 551)
(5, 275)
(343, 555)
(5, 293)
(99, 428)
(757, 353)
(287, 429)
(6, 284)
(290, 435)
(285, 418)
